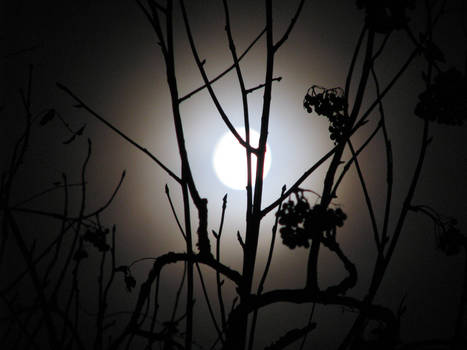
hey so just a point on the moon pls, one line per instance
(229, 160)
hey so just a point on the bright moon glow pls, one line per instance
(230, 160)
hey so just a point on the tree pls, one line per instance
(57, 271)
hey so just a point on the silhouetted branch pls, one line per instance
(208, 303)
(82, 104)
(297, 183)
(367, 196)
(260, 86)
(167, 192)
(219, 283)
(348, 78)
(68, 325)
(62, 232)
(78, 218)
(301, 296)
(39, 288)
(246, 116)
(105, 294)
(271, 247)
(351, 160)
(310, 318)
(156, 305)
(161, 336)
(212, 81)
(177, 297)
(71, 251)
(290, 337)
(154, 20)
(159, 263)
(57, 268)
(383, 260)
(265, 274)
(14, 317)
(410, 193)
(17, 158)
(351, 280)
(44, 192)
(388, 88)
(208, 85)
(389, 164)
(284, 38)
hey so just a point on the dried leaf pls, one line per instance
(130, 282)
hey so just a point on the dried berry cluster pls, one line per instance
(130, 281)
(384, 16)
(449, 239)
(445, 100)
(300, 222)
(331, 104)
(98, 238)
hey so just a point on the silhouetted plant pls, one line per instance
(54, 316)
(445, 100)
(300, 223)
(332, 104)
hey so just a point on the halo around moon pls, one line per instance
(229, 160)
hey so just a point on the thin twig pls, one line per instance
(167, 192)
(298, 182)
(351, 160)
(227, 70)
(367, 196)
(388, 87)
(84, 215)
(52, 332)
(82, 104)
(79, 223)
(265, 274)
(208, 303)
(246, 116)
(348, 79)
(62, 232)
(260, 86)
(220, 282)
(178, 294)
(310, 318)
(214, 98)
(389, 164)
(284, 38)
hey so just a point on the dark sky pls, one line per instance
(106, 53)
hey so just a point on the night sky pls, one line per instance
(107, 54)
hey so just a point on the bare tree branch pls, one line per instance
(125, 137)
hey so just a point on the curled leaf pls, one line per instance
(130, 282)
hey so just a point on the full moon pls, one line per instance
(230, 163)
